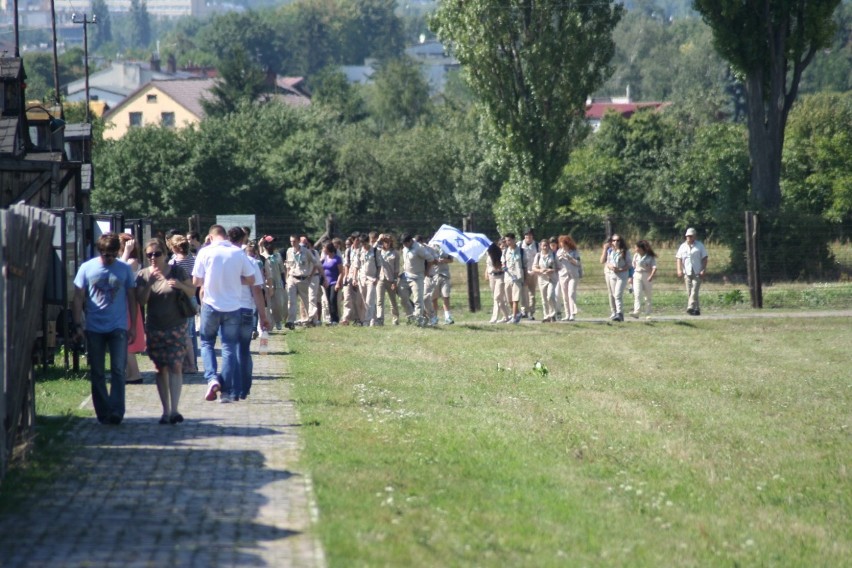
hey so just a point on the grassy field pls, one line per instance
(688, 443)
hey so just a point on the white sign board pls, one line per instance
(229, 221)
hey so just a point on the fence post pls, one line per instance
(473, 300)
(752, 235)
(195, 223)
(3, 370)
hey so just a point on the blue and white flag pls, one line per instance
(466, 247)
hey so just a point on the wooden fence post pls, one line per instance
(473, 300)
(752, 236)
(3, 369)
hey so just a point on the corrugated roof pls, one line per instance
(187, 92)
(8, 134)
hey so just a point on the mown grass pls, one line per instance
(58, 397)
(686, 443)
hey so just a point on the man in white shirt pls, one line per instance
(691, 266)
(221, 270)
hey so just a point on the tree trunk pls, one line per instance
(765, 143)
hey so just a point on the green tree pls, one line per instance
(531, 64)
(399, 95)
(39, 68)
(700, 182)
(184, 42)
(139, 32)
(102, 32)
(378, 32)
(241, 81)
(770, 42)
(817, 156)
(831, 69)
(251, 33)
(611, 176)
(331, 90)
(314, 32)
(144, 173)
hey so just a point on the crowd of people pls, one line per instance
(232, 288)
(553, 268)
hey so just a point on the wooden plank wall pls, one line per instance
(27, 237)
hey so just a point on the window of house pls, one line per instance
(152, 98)
(167, 119)
(135, 119)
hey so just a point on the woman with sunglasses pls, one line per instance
(158, 286)
(618, 266)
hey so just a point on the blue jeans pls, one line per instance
(213, 323)
(107, 403)
(244, 352)
(193, 336)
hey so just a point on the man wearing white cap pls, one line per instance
(691, 265)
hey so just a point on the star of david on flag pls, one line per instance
(466, 247)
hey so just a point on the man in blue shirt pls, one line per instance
(106, 287)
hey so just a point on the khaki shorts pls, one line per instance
(443, 285)
(514, 290)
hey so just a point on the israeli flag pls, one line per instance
(466, 247)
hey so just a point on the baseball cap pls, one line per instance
(690, 232)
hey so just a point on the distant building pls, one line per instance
(177, 103)
(597, 108)
(113, 84)
(430, 55)
(157, 8)
(172, 103)
(434, 62)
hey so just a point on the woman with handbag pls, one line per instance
(186, 260)
(166, 289)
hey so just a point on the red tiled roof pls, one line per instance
(597, 110)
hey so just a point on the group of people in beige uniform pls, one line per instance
(367, 275)
(553, 267)
(356, 281)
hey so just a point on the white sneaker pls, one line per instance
(212, 388)
(449, 321)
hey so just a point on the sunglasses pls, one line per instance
(109, 254)
(156, 254)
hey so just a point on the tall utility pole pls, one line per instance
(86, 22)
(56, 97)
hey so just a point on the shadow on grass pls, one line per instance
(33, 471)
(490, 327)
